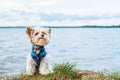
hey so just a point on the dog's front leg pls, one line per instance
(30, 68)
(45, 67)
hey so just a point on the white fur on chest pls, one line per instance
(37, 51)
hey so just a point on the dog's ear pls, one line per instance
(49, 31)
(29, 31)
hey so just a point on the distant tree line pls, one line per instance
(87, 26)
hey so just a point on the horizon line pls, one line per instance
(85, 26)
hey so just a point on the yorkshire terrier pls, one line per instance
(38, 61)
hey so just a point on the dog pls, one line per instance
(38, 61)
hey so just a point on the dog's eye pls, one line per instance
(36, 34)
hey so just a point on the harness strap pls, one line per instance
(38, 56)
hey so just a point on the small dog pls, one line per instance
(38, 61)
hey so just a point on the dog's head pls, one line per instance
(38, 36)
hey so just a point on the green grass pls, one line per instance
(114, 75)
(67, 71)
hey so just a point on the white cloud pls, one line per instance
(7, 5)
(59, 12)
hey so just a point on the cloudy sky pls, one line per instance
(59, 12)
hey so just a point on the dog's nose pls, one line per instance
(42, 35)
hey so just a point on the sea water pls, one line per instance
(94, 49)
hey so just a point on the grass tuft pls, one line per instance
(67, 71)
(114, 76)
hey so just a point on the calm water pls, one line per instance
(91, 48)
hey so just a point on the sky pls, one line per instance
(59, 12)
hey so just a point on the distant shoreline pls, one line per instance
(64, 26)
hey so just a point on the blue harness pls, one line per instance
(38, 56)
